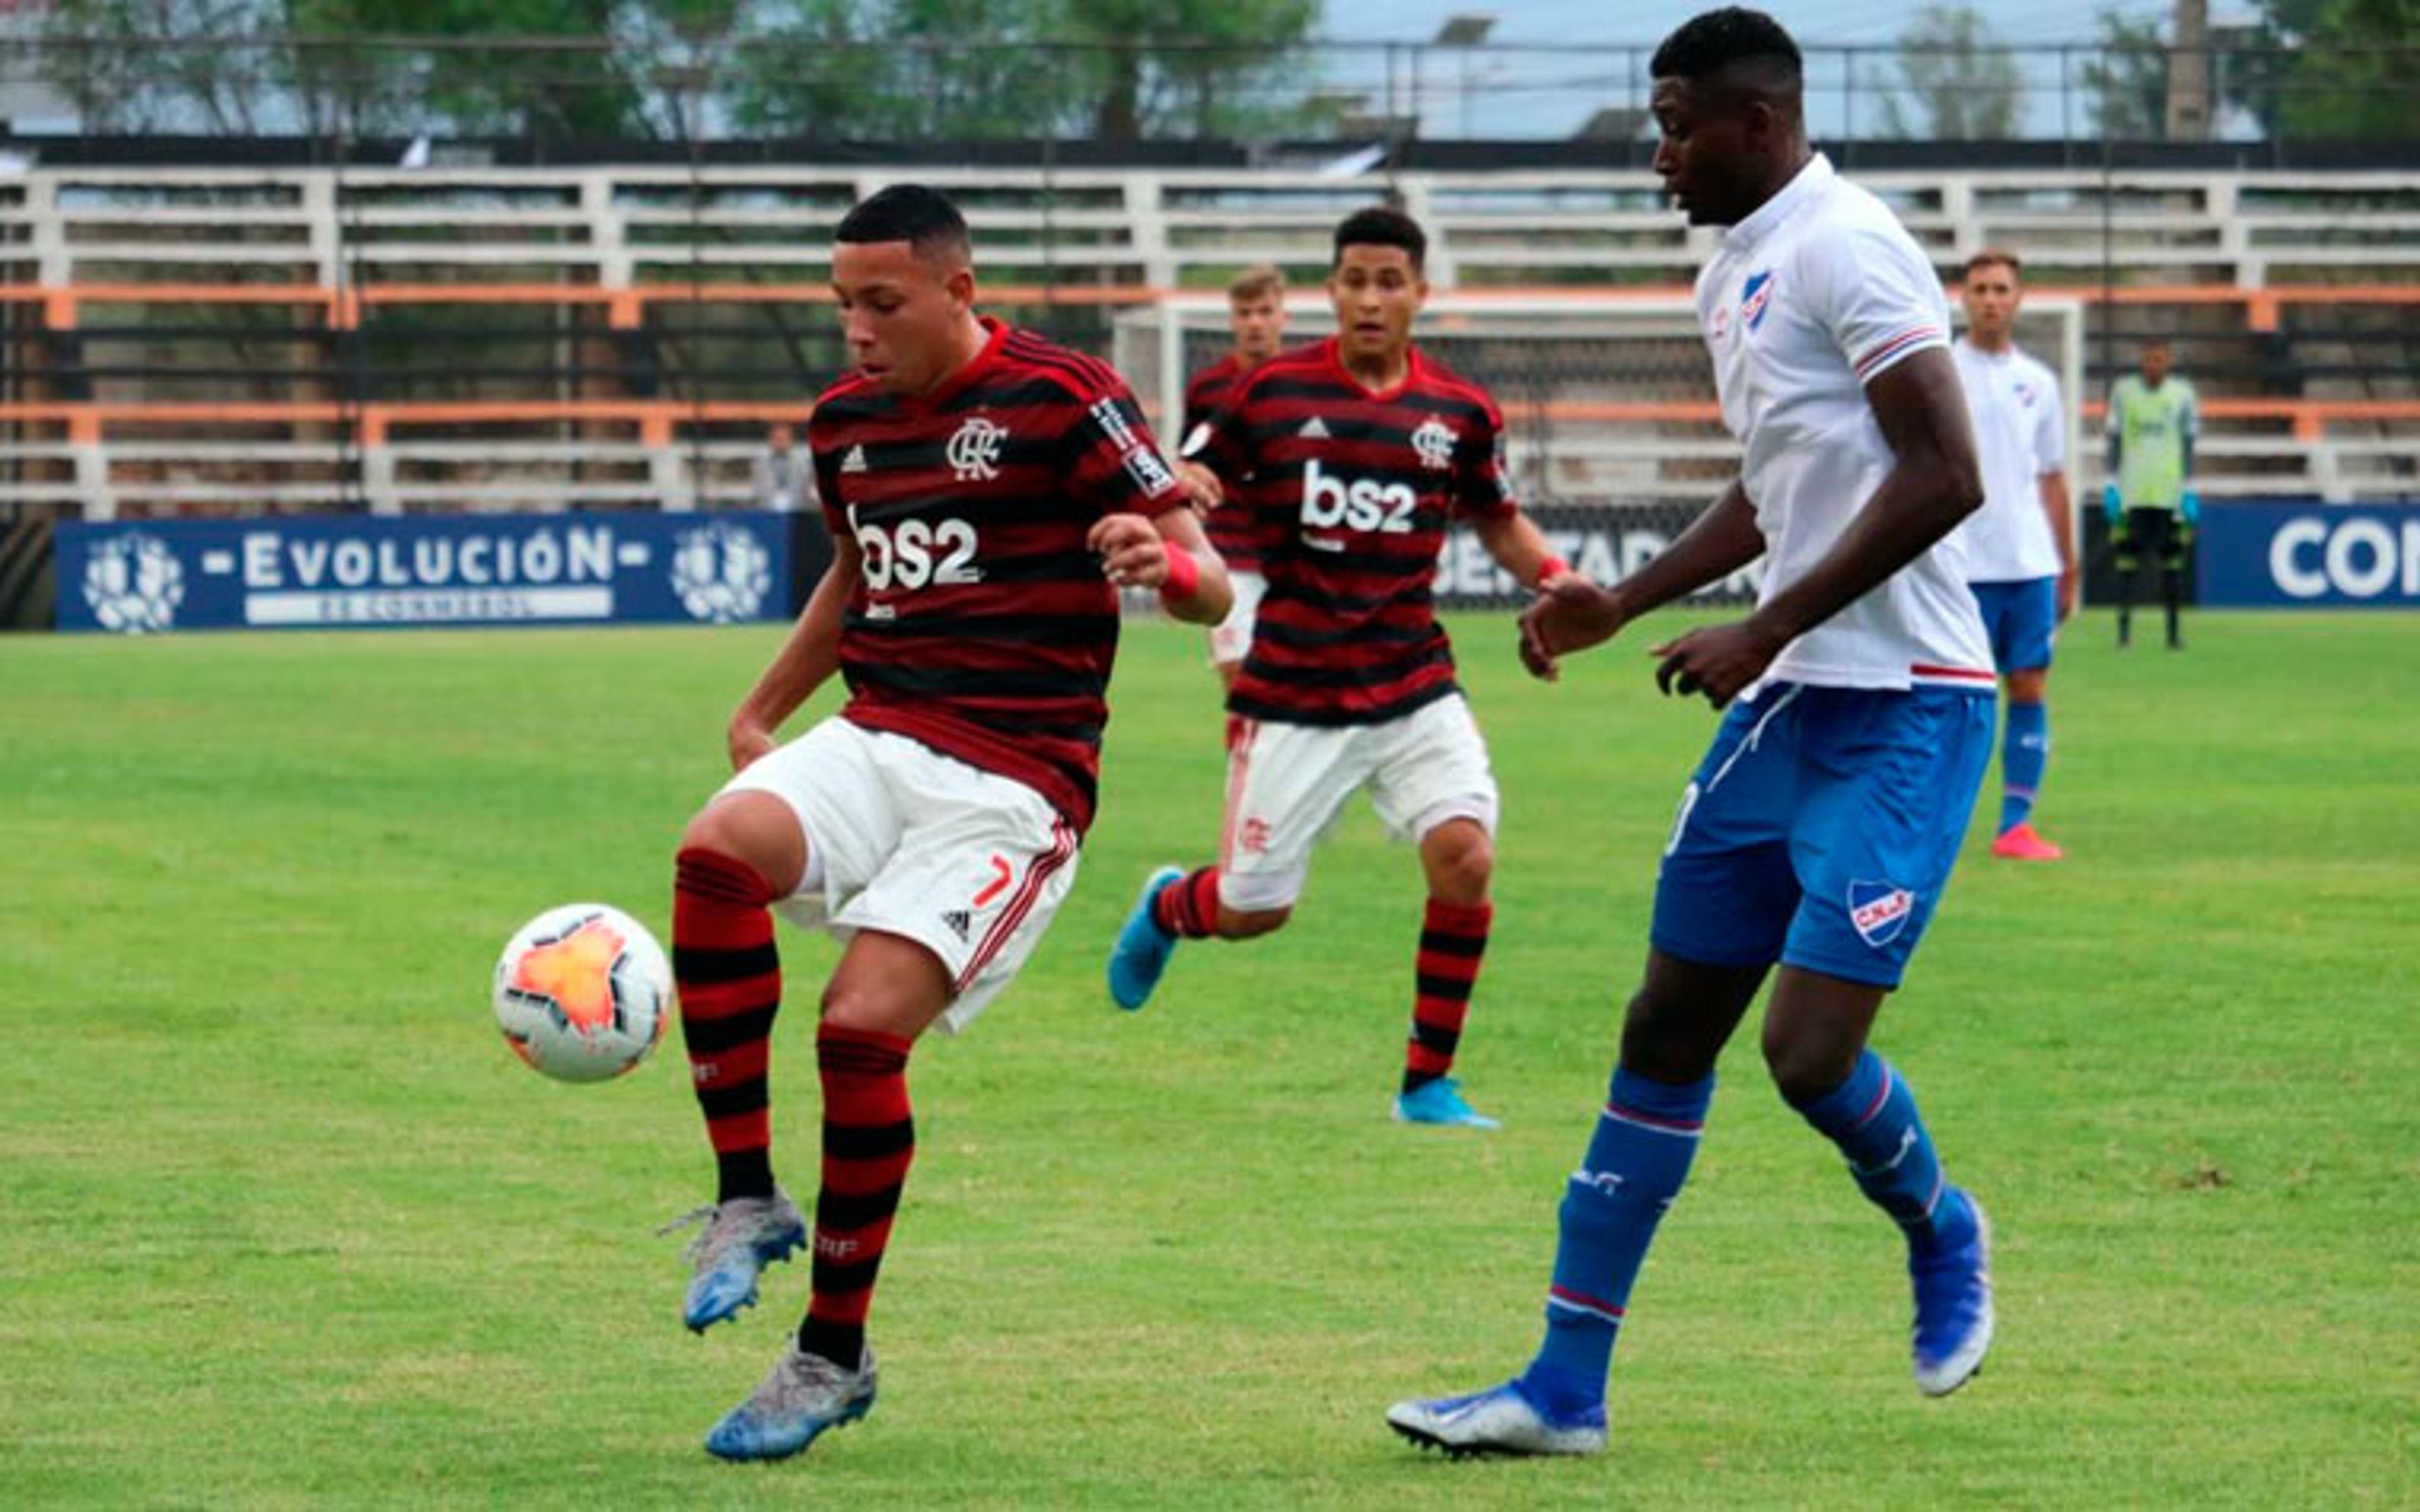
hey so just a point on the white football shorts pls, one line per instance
(1287, 782)
(1231, 638)
(969, 864)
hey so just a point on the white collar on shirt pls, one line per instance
(1806, 183)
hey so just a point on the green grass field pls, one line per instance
(281, 1222)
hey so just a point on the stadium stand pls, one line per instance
(229, 340)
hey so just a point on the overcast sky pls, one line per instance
(1541, 78)
(1553, 22)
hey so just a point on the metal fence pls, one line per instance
(776, 85)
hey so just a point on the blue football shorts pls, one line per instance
(2023, 619)
(1821, 829)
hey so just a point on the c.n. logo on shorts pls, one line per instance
(1878, 911)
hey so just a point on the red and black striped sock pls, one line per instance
(1454, 937)
(730, 980)
(1188, 907)
(869, 1142)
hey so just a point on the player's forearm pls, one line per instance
(1514, 542)
(1196, 589)
(1211, 596)
(2060, 510)
(808, 658)
(1719, 542)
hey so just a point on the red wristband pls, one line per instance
(1551, 566)
(1184, 575)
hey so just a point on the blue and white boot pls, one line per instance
(804, 1395)
(1503, 1420)
(1954, 1308)
(741, 1238)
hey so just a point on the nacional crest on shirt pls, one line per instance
(1878, 911)
(1435, 441)
(1756, 298)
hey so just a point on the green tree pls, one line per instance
(943, 69)
(122, 65)
(1187, 65)
(2331, 69)
(1956, 82)
(2127, 86)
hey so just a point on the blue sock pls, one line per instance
(1637, 1160)
(2025, 750)
(1872, 1117)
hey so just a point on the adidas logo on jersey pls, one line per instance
(854, 461)
(959, 921)
(1314, 429)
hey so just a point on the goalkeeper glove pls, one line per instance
(2109, 505)
(2190, 506)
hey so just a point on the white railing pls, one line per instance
(612, 227)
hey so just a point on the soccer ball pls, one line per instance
(583, 992)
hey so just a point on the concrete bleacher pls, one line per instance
(230, 339)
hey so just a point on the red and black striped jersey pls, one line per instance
(1230, 526)
(1351, 493)
(982, 625)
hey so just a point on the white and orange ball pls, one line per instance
(583, 992)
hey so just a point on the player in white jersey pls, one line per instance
(1820, 830)
(2021, 544)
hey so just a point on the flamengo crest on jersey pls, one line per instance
(1808, 300)
(1351, 494)
(2019, 434)
(974, 450)
(982, 625)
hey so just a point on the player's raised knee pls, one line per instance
(886, 984)
(756, 828)
(1460, 860)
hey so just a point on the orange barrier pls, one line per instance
(656, 418)
(62, 305)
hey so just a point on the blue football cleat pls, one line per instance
(1954, 1308)
(1440, 1102)
(1144, 947)
(741, 1238)
(1503, 1420)
(803, 1396)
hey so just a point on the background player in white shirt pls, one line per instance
(2021, 544)
(1821, 829)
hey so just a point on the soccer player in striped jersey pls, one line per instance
(1352, 457)
(988, 493)
(1821, 828)
(1256, 317)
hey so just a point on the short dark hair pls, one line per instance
(1996, 257)
(915, 213)
(1382, 226)
(1717, 42)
